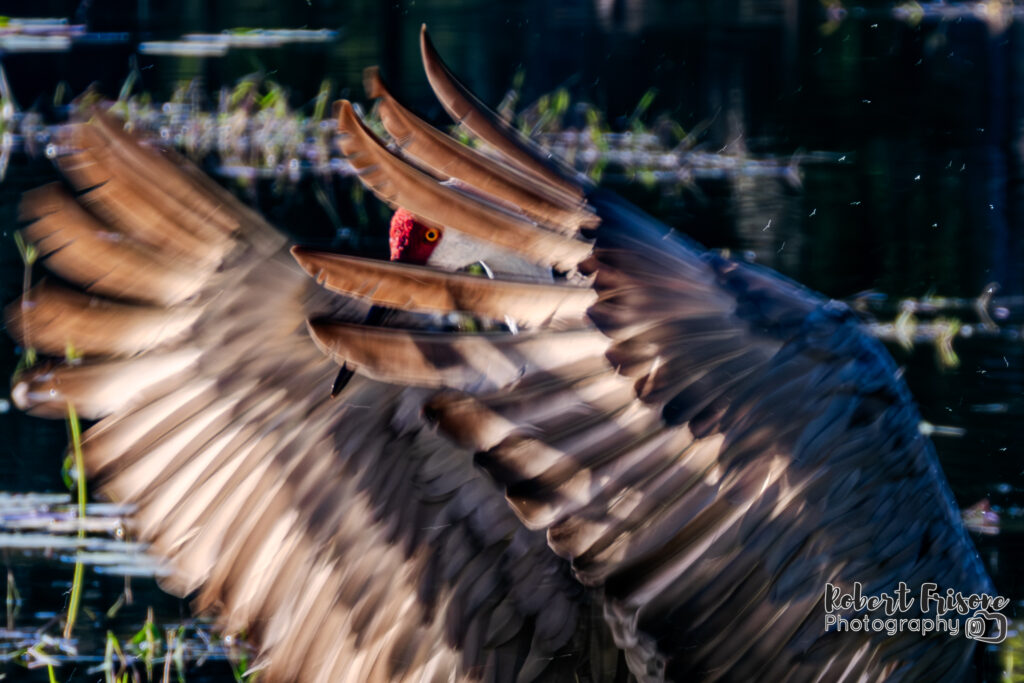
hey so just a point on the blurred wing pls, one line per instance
(512, 147)
(349, 539)
(708, 446)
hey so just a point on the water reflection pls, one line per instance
(871, 148)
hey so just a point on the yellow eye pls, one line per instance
(431, 235)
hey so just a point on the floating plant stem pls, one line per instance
(116, 607)
(108, 659)
(147, 640)
(76, 584)
(636, 118)
(945, 354)
(13, 597)
(179, 653)
(76, 598)
(113, 647)
(170, 637)
(322, 99)
(76, 444)
(29, 254)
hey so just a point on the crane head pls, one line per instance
(412, 240)
(418, 241)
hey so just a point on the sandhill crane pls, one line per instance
(655, 471)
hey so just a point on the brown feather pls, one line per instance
(446, 158)
(465, 108)
(770, 448)
(416, 288)
(458, 361)
(82, 250)
(96, 389)
(468, 421)
(121, 155)
(54, 320)
(399, 184)
(123, 205)
(144, 195)
(238, 411)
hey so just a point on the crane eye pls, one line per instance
(431, 235)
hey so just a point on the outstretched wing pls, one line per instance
(704, 443)
(708, 447)
(346, 536)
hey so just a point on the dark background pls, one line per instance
(926, 111)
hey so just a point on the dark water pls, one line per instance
(921, 112)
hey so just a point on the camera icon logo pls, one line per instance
(986, 627)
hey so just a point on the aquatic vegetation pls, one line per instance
(50, 525)
(38, 35)
(1012, 655)
(254, 132)
(939, 321)
(76, 448)
(996, 14)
